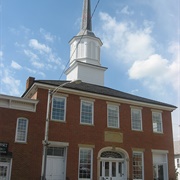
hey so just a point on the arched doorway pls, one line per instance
(113, 164)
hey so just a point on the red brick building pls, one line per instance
(92, 132)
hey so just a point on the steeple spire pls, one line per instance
(86, 16)
(86, 24)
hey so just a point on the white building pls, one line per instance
(177, 157)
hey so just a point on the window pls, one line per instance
(87, 112)
(138, 165)
(160, 165)
(85, 163)
(136, 119)
(113, 116)
(178, 163)
(58, 108)
(157, 122)
(21, 130)
(55, 151)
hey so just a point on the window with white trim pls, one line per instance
(157, 122)
(178, 163)
(21, 130)
(87, 112)
(58, 108)
(85, 163)
(136, 119)
(138, 166)
(160, 165)
(113, 116)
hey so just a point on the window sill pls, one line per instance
(19, 142)
(160, 133)
(84, 124)
(59, 121)
(135, 130)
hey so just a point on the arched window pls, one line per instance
(21, 130)
(111, 154)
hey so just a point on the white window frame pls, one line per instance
(91, 173)
(92, 112)
(65, 102)
(142, 163)
(160, 158)
(157, 121)
(18, 130)
(139, 110)
(109, 117)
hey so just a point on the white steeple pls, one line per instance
(85, 53)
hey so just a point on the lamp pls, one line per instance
(45, 142)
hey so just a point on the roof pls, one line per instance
(102, 90)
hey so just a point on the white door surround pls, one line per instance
(4, 171)
(113, 164)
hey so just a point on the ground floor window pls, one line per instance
(5, 168)
(85, 163)
(138, 169)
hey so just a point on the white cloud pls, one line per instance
(10, 83)
(15, 65)
(47, 35)
(127, 41)
(1, 54)
(157, 72)
(126, 11)
(38, 65)
(31, 55)
(33, 43)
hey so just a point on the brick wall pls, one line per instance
(27, 158)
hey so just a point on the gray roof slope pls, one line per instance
(86, 87)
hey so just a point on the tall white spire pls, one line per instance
(85, 52)
(86, 24)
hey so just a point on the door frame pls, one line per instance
(113, 149)
(64, 145)
(9, 165)
(110, 161)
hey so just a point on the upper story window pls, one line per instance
(87, 112)
(157, 122)
(113, 116)
(58, 108)
(136, 119)
(21, 130)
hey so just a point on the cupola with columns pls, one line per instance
(85, 52)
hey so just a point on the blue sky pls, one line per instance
(140, 45)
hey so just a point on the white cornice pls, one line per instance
(98, 96)
(18, 103)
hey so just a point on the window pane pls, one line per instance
(55, 151)
(113, 169)
(137, 166)
(157, 122)
(86, 112)
(21, 130)
(85, 163)
(136, 119)
(113, 116)
(58, 109)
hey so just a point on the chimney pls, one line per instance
(29, 82)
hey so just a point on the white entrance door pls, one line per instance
(55, 168)
(112, 170)
(4, 171)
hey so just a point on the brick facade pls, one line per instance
(27, 157)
